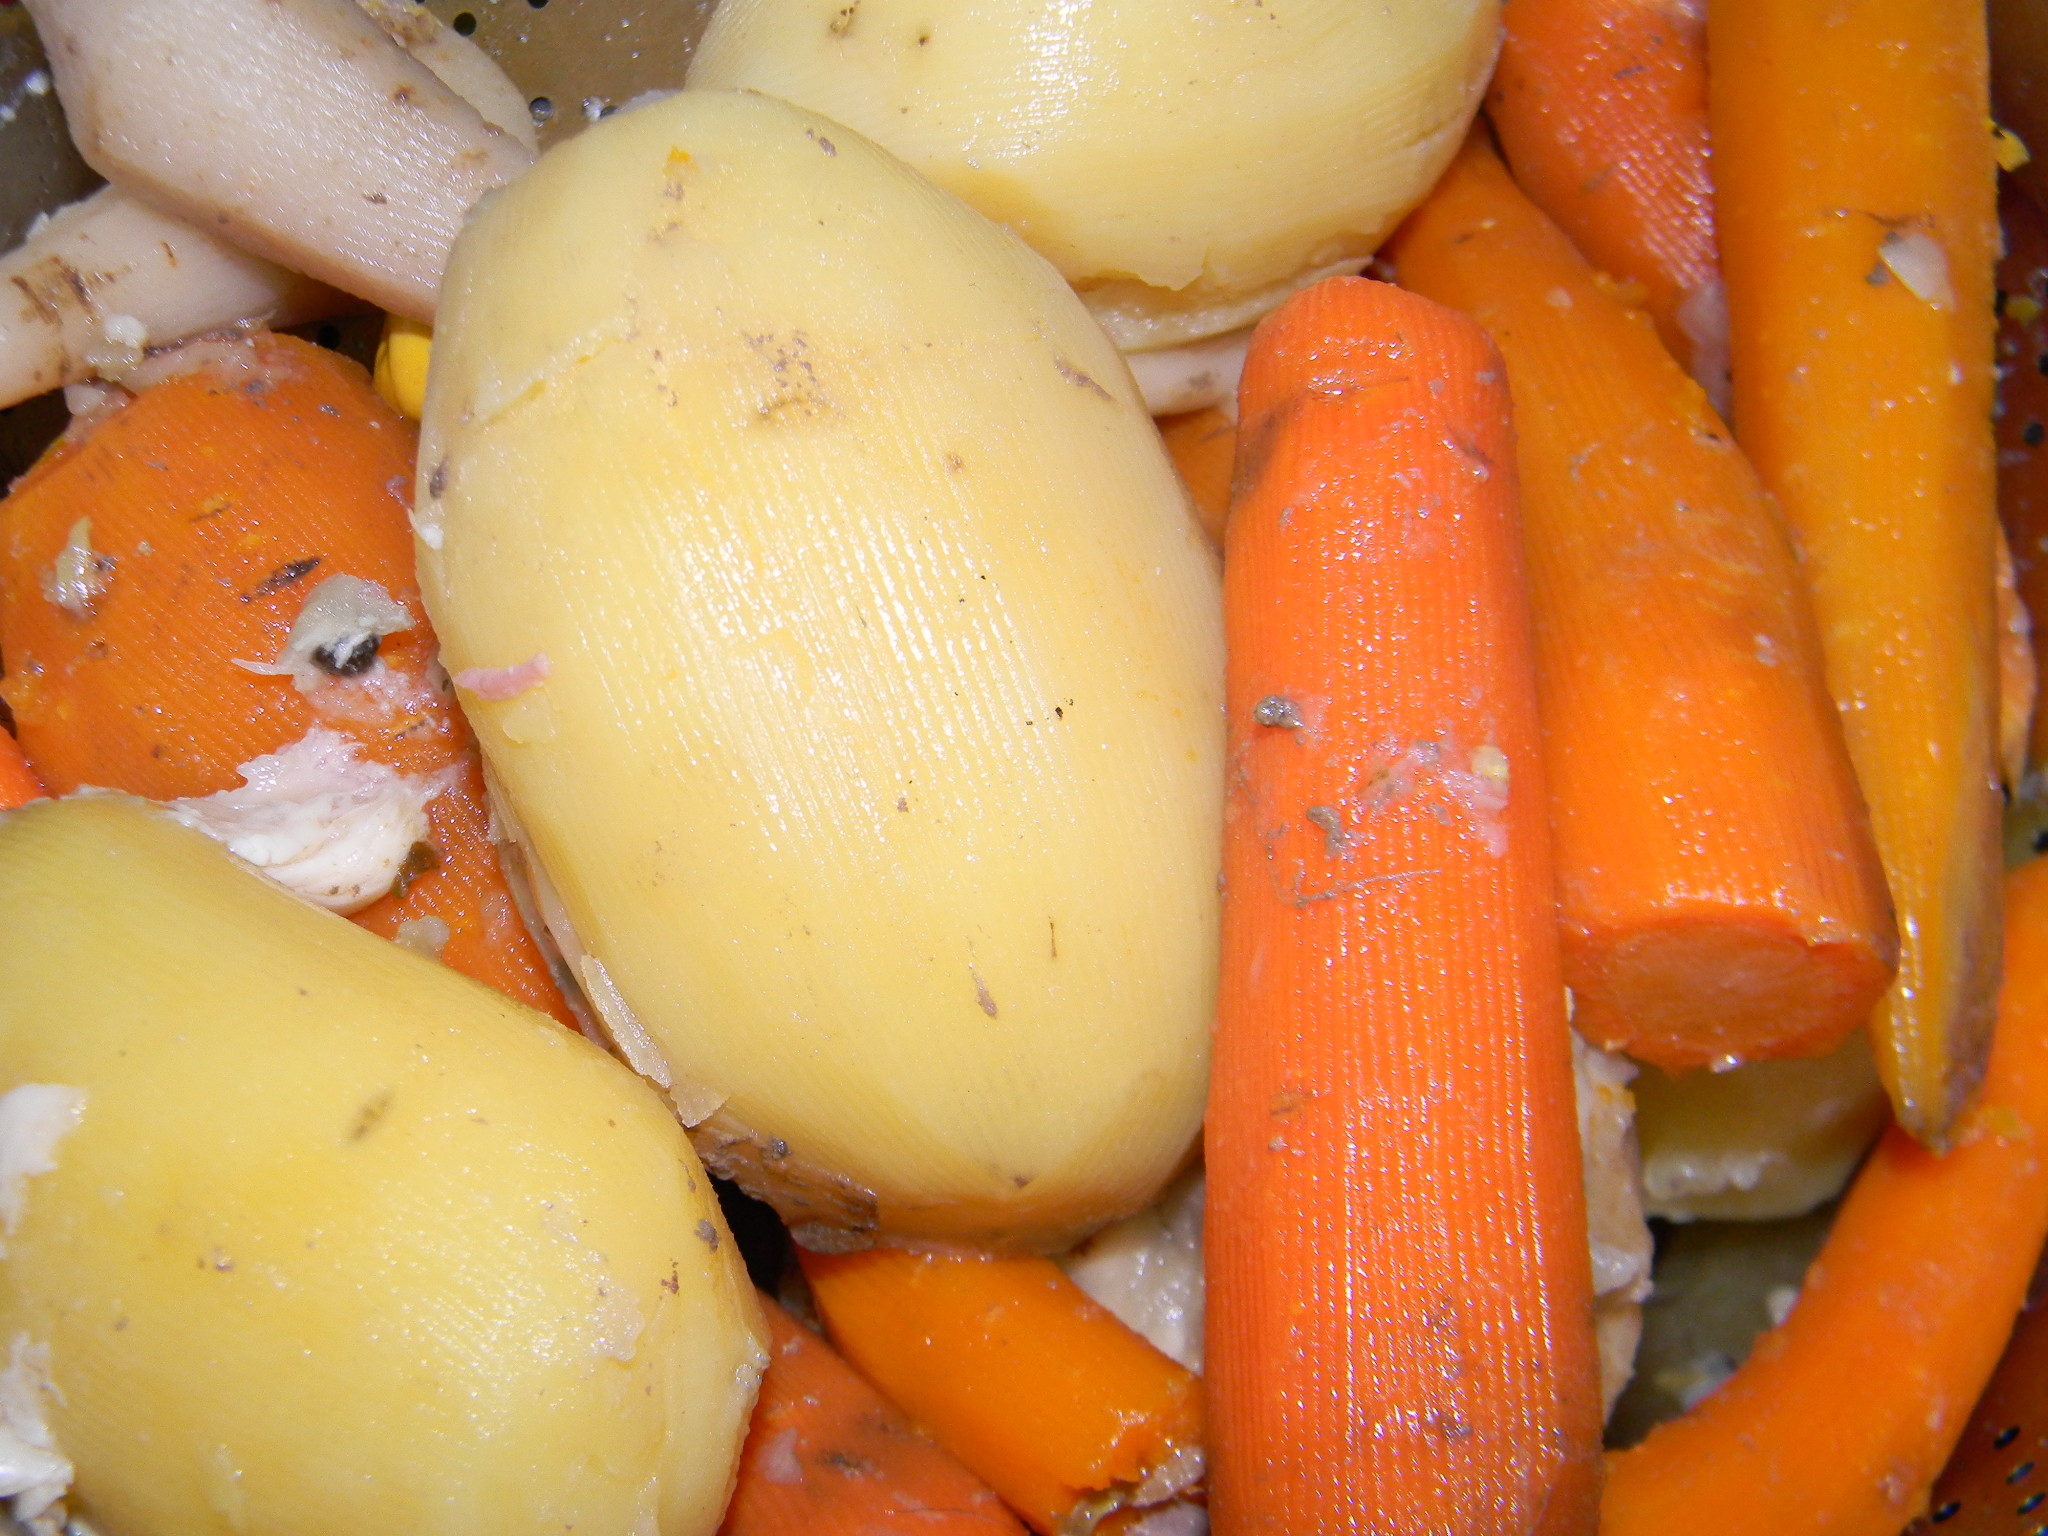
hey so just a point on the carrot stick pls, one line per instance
(826, 1456)
(1855, 175)
(1842, 1416)
(1720, 895)
(1601, 106)
(209, 507)
(1031, 1386)
(18, 785)
(1399, 1314)
(1203, 445)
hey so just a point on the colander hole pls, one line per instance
(2031, 1503)
(2020, 1473)
(464, 22)
(2007, 1435)
(538, 5)
(542, 109)
(1947, 1512)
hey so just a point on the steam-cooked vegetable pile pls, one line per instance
(785, 653)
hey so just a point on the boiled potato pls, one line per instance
(1759, 1142)
(332, 1240)
(1186, 163)
(835, 627)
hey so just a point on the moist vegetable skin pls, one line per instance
(876, 758)
(1859, 293)
(214, 503)
(1601, 107)
(1720, 895)
(341, 1242)
(1399, 1314)
(827, 1454)
(1841, 1417)
(1040, 1392)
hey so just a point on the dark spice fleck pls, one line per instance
(282, 577)
(419, 858)
(349, 656)
(708, 1233)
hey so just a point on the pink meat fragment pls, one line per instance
(494, 685)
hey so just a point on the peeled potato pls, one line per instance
(335, 1240)
(1185, 163)
(1761, 1141)
(831, 618)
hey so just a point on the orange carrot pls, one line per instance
(1034, 1388)
(1601, 106)
(18, 785)
(826, 1456)
(1855, 186)
(1203, 445)
(1399, 1325)
(1721, 897)
(199, 516)
(2018, 676)
(1842, 1416)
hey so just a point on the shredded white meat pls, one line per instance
(336, 633)
(33, 1119)
(319, 819)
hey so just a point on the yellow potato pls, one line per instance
(876, 766)
(335, 1240)
(1186, 163)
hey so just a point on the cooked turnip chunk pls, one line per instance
(335, 152)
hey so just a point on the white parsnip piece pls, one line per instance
(1185, 163)
(297, 129)
(315, 1235)
(109, 277)
(876, 762)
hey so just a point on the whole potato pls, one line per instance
(1186, 163)
(333, 1240)
(833, 622)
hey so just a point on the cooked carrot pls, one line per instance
(1601, 106)
(1855, 186)
(1720, 894)
(18, 785)
(1203, 445)
(2021, 424)
(1399, 1315)
(1842, 1416)
(195, 520)
(1030, 1385)
(827, 1456)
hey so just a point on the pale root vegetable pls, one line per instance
(336, 153)
(1185, 163)
(1766, 1140)
(108, 277)
(831, 618)
(334, 1240)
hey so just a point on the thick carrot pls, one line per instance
(1399, 1316)
(1842, 1416)
(1601, 106)
(1034, 1388)
(207, 509)
(18, 785)
(1203, 445)
(1720, 894)
(1855, 186)
(827, 1456)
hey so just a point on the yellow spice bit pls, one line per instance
(2006, 147)
(2022, 309)
(401, 373)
